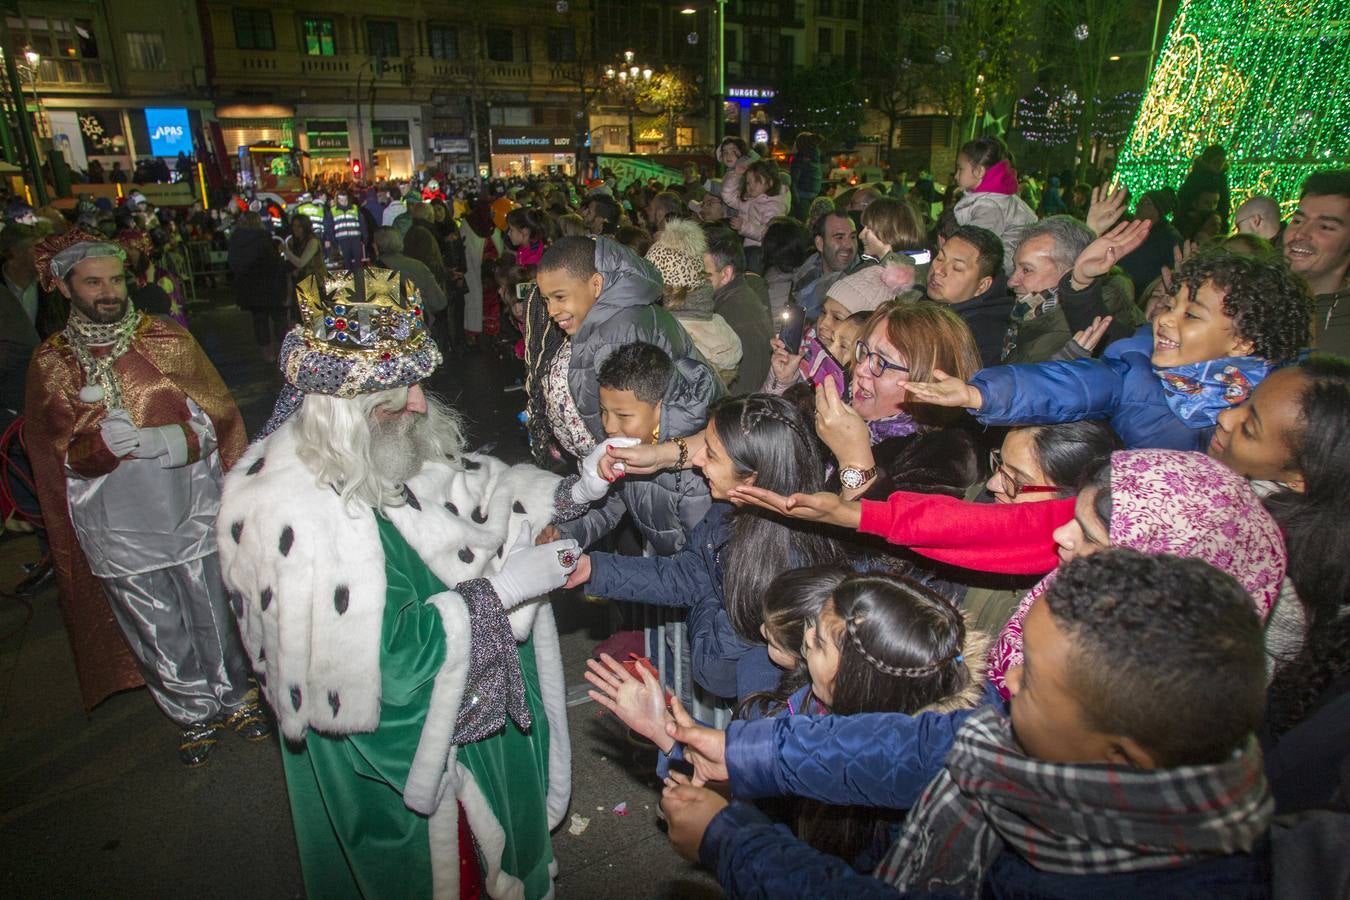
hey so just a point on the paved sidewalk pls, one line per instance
(97, 805)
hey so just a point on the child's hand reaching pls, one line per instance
(944, 390)
(688, 810)
(704, 748)
(639, 704)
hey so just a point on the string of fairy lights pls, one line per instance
(1267, 79)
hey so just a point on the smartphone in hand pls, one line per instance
(791, 326)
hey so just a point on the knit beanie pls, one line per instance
(863, 291)
(678, 254)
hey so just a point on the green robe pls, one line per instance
(356, 836)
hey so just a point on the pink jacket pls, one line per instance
(755, 214)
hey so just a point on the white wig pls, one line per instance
(336, 441)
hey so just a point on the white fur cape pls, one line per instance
(307, 581)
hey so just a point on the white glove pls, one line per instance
(119, 434)
(531, 571)
(158, 441)
(591, 487)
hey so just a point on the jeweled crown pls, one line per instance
(370, 312)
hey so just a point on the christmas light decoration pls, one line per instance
(1269, 80)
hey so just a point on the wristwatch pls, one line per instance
(853, 477)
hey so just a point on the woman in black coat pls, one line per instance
(259, 276)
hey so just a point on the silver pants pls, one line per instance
(178, 623)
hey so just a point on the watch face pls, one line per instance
(850, 477)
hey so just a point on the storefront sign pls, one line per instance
(751, 93)
(391, 134)
(169, 131)
(327, 134)
(521, 141)
(450, 145)
(650, 136)
(392, 141)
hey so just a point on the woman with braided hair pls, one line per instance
(724, 569)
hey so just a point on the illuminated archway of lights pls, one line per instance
(1267, 79)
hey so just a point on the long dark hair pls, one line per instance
(793, 599)
(766, 436)
(1318, 542)
(902, 649)
(1070, 453)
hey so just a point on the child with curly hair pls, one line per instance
(1229, 321)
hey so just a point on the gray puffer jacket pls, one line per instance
(665, 506)
(628, 310)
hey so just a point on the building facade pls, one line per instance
(399, 85)
(111, 82)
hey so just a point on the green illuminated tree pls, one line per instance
(1267, 79)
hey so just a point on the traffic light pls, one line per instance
(356, 169)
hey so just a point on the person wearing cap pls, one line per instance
(130, 431)
(709, 208)
(380, 575)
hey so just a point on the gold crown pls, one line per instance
(370, 312)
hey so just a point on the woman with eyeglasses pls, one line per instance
(881, 442)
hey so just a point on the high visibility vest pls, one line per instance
(315, 213)
(346, 223)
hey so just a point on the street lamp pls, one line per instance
(628, 80)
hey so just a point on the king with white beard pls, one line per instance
(385, 583)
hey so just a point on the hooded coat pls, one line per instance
(994, 204)
(627, 310)
(666, 506)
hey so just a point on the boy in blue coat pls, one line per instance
(1127, 766)
(1229, 322)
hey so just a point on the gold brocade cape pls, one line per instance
(163, 364)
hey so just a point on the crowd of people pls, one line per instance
(1012, 541)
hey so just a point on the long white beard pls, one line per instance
(399, 447)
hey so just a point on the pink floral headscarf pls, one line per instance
(1186, 504)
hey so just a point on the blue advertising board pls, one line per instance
(169, 131)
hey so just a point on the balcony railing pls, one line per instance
(244, 66)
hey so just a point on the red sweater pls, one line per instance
(1007, 538)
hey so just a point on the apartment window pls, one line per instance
(851, 46)
(729, 41)
(787, 50)
(824, 8)
(319, 37)
(501, 44)
(68, 47)
(848, 9)
(443, 41)
(382, 38)
(824, 40)
(512, 115)
(562, 45)
(253, 30)
(146, 50)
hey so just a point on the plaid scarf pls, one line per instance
(1070, 819)
(1027, 308)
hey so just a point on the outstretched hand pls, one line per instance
(705, 748)
(1099, 256)
(640, 703)
(1092, 335)
(820, 507)
(1106, 207)
(945, 390)
(689, 809)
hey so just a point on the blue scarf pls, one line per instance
(1198, 392)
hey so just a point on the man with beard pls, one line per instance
(381, 577)
(836, 256)
(130, 431)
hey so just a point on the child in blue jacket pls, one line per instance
(1230, 321)
(1126, 768)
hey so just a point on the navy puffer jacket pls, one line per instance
(723, 662)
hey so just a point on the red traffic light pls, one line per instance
(356, 168)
